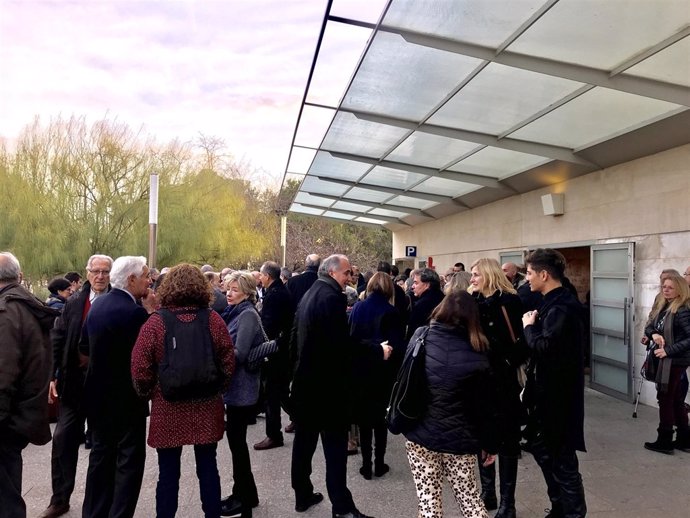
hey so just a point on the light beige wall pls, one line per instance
(645, 196)
(644, 201)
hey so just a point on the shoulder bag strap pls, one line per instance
(510, 327)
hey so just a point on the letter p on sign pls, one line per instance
(411, 251)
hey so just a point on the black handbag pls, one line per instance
(259, 353)
(408, 401)
(650, 366)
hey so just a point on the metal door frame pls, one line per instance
(628, 316)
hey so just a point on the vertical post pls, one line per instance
(153, 219)
(283, 236)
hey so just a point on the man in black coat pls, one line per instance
(277, 314)
(320, 388)
(427, 291)
(117, 415)
(554, 395)
(298, 285)
(69, 371)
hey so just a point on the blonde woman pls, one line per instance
(501, 312)
(669, 329)
(244, 325)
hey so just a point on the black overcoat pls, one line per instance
(554, 395)
(111, 329)
(320, 395)
(372, 321)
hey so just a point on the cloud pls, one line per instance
(234, 69)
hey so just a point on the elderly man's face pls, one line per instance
(98, 275)
(510, 270)
(342, 275)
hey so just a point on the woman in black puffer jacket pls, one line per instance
(459, 422)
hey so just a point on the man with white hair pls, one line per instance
(69, 371)
(117, 416)
(320, 399)
(25, 364)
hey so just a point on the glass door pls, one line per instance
(611, 310)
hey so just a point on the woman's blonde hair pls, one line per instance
(245, 282)
(682, 300)
(494, 278)
(381, 283)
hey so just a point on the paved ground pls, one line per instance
(622, 480)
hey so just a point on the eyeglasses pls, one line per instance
(104, 273)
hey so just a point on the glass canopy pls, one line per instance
(412, 111)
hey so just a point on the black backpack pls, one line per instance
(189, 369)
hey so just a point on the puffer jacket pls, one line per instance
(460, 417)
(25, 364)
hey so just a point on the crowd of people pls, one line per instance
(200, 353)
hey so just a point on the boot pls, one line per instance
(365, 436)
(487, 475)
(507, 473)
(556, 510)
(381, 436)
(682, 441)
(663, 443)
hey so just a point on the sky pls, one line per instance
(233, 69)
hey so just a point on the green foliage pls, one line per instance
(69, 190)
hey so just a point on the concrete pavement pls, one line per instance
(622, 479)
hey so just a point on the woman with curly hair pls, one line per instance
(501, 312)
(669, 329)
(185, 294)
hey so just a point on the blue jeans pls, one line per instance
(169, 480)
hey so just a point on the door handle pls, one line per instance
(626, 329)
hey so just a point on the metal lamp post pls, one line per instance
(153, 219)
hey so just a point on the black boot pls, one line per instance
(487, 475)
(556, 510)
(507, 474)
(381, 437)
(365, 437)
(663, 443)
(682, 441)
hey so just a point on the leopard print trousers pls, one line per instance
(428, 469)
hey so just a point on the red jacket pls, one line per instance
(178, 423)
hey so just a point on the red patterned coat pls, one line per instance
(175, 424)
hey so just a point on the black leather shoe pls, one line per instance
(313, 499)
(55, 510)
(229, 501)
(352, 514)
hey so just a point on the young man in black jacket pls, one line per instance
(554, 395)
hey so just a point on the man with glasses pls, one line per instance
(69, 370)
